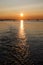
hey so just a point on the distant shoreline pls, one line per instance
(19, 19)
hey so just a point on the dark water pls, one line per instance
(21, 47)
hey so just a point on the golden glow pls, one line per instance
(21, 14)
(21, 31)
(21, 24)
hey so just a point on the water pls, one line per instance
(21, 43)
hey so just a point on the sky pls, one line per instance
(13, 8)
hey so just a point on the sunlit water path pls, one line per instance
(24, 47)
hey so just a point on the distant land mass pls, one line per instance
(20, 19)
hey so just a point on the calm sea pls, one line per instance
(21, 42)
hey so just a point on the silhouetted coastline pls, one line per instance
(20, 19)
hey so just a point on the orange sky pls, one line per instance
(17, 16)
(11, 9)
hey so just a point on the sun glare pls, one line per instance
(21, 31)
(21, 24)
(21, 14)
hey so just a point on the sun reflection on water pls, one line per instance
(22, 33)
(21, 24)
(21, 30)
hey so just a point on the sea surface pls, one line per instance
(21, 42)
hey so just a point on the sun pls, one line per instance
(21, 14)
